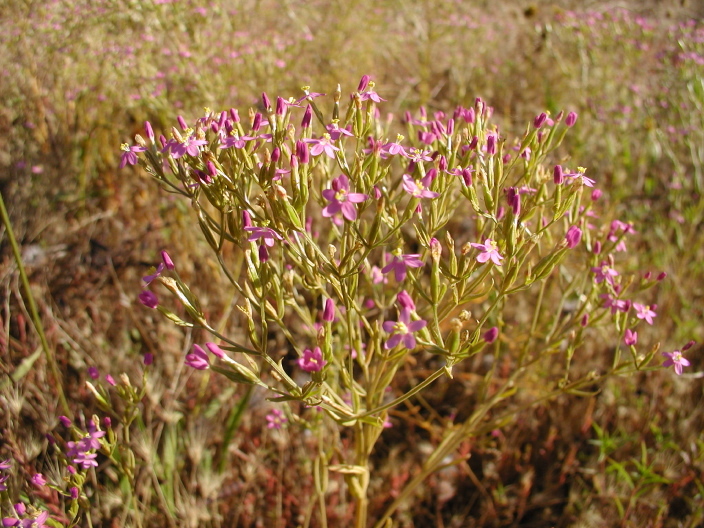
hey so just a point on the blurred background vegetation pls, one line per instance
(80, 77)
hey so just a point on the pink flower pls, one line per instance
(38, 480)
(630, 337)
(341, 200)
(645, 311)
(149, 299)
(198, 359)
(128, 156)
(402, 330)
(312, 360)
(268, 235)
(490, 335)
(399, 264)
(573, 236)
(276, 419)
(235, 141)
(490, 251)
(675, 359)
(418, 189)
(322, 145)
(604, 272)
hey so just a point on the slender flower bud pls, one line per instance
(435, 249)
(329, 311)
(65, 421)
(467, 176)
(276, 155)
(307, 117)
(223, 118)
(263, 253)
(148, 358)
(212, 170)
(246, 219)
(74, 492)
(215, 350)
(363, 83)
(540, 120)
(149, 130)
(266, 103)
(573, 236)
(571, 119)
(450, 126)
(302, 152)
(182, 123)
(234, 115)
(688, 346)
(280, 106)
(163, 141)
(557, 175)
(491, 144)
(490, 335)
(596, 194)
(167, 260)
(597, 248)
(661, 276)
(257, 122)
(405, 301)
(585, 320)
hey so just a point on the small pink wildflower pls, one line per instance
(604, 272)
(276, 419)
(198, 359)
(322, 145)
(419, 189)
(403, 330)
(38, 480)
(645, 311)
(677, 360)
(341, 200)
(312, 360)
(399, 263)
(490, 251)
(128, 156)
(268, 235)
(630, 337)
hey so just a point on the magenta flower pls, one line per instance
(604, 272)
(198, 359)
(128, 156)
(399, 264)
(402, 330)
(675, 359)
(276, 419)
(418, 156)
(38, 480)
(490, 251)
(188, 145)
(268, 235)
(573, 236)
(418, 189)
(149, 299)
(336, 132)
(341, 200)
(630, 337)
(644, 311)
(393, 149)
(149, 278)
(490, 335)
(235, 141)
(312, 360)
(322, 145)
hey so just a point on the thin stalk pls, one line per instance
(51, 359)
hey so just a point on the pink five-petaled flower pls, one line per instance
(321, 145)
(644, 311)
(418, 189)
(189, 145)
(312, 360)
(276, 419)
(198, 359)
(38, 480)
(341, 199)
(630, 337)
(28, 522)
(399, 263)
(675, 359)
(402, 330)
(490, 251)
(604, 272)
(128, 156)
(268, 235)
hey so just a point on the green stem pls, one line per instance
(33, 309)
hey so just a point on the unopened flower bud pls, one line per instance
(405, 301)
(597, 248)
(302, 152)
(435, 249)
(571, 119)
(148, 129)
(246, 219)
(329, 311)
(558, 175)
(596, 194)
(490, 335)
(215, 350)
(234, 115)
(167, 260)
(363, 83)
(661, 276)
(257, 122)
(266, 103)
(149, 299)
(540, 120)
(491, 144)
(182, 123)
(573, 236)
